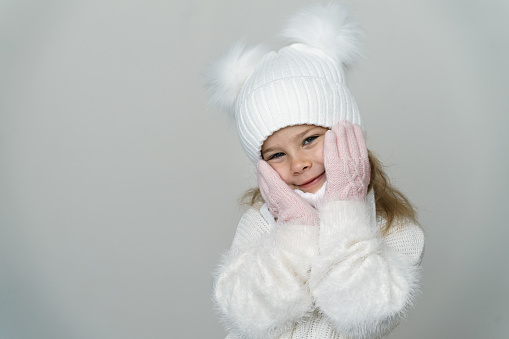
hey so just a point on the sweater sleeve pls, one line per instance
(362, 282)
(260, 286)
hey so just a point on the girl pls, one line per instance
(328, 248)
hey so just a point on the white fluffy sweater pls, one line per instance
(341, 279)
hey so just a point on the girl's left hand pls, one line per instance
(283, 203)
(346, 163)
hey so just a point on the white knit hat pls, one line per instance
(303, 83)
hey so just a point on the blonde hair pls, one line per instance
(391, 204)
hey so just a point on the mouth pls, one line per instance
(312, 182)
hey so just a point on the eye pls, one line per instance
(276, 155)
(310, 139)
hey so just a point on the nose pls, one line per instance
(300, 164)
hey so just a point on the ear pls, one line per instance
(326, 27)
(227, 74)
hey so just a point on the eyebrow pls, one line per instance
(298, 136)
(267, 150)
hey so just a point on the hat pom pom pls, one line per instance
(327, 27)
(227, 74)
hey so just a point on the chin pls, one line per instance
(312, 190)
(315, 190)
(315, 187)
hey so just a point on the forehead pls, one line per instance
(290, 133)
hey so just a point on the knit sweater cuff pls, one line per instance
(298, 242)
(352, 219)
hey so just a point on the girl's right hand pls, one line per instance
(346, 163)
(283, 203)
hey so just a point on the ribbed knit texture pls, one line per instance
(297, 85)
(315, 326)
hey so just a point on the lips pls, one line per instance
(312, 182)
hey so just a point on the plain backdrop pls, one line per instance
(119, 185)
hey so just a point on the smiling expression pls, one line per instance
(296, 154)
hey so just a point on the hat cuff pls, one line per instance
(291, 101)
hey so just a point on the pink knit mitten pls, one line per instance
(346, 163)
(283, 203)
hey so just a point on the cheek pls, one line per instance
(319, 155)
(282, 171)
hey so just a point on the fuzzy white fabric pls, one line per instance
(229, 72)
(261, 288)
(302, 83)
(319, 25)
(341, 279)
(363, 285)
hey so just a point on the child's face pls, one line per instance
(296, 153)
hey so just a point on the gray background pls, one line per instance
(118, 185)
